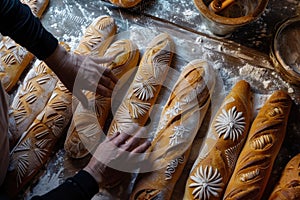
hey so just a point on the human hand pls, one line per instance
(119, 150)
(78, 72)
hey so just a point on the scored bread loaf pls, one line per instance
(97, 37)
(34, 149)
(288, 187)
(87, 124)
(180, 120)
(125, 3)
(210, 173)
(31, 98)
(256, 159)
(14, 58)
(144, 90)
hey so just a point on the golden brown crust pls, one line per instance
(97, 37)
(230, 125)
(35, 148)
(186, 107)
(125, 3)
(146, 85)
(288, 187)
(30, 100)
(256, 159)
(14, 59)
(85, 129)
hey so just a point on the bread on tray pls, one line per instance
(180, 120)
(36, 146)
(30, 99)
(85, 131)
(146, 85)
(288, 187)
(211, 172)
(97, 37)
(256, 159)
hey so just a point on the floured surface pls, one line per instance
(68, 19)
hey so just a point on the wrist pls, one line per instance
(95, 174)
(57, 58)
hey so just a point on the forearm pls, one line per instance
(82, 186)
(17, 22)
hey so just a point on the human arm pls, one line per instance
(17, 22)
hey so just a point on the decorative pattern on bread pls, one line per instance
(179, 123)
(210, 173)
(256, 159)
(35, 147)
(31, 98)
(87, 124)
(144, 89)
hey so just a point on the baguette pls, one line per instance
(288, 187)
(97, 37)
(35, 148)
(86, 126)
(209, 176)
(179, 123)
(14, 58)
(125, 3)
(30, 100)
(256, 159)
(144, 89)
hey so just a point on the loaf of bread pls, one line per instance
(14, 58)
(144, 90)
(87, 124)
(125, 3)
(34, 149)
(30, 99)
(256, 159)
(180, 120)
(288, 187)
(210, 173)
(97, 37)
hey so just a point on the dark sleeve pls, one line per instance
(80, 187)
(17, 22)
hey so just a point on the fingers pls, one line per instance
(121, 139)
(109, 74)
(104, 70)
(134, 141)
(113, 136)
(107, 82)
(142, 148)
(101, 90)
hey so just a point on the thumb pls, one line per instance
(82, 98)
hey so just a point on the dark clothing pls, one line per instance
(82, 186)
(17, 22)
